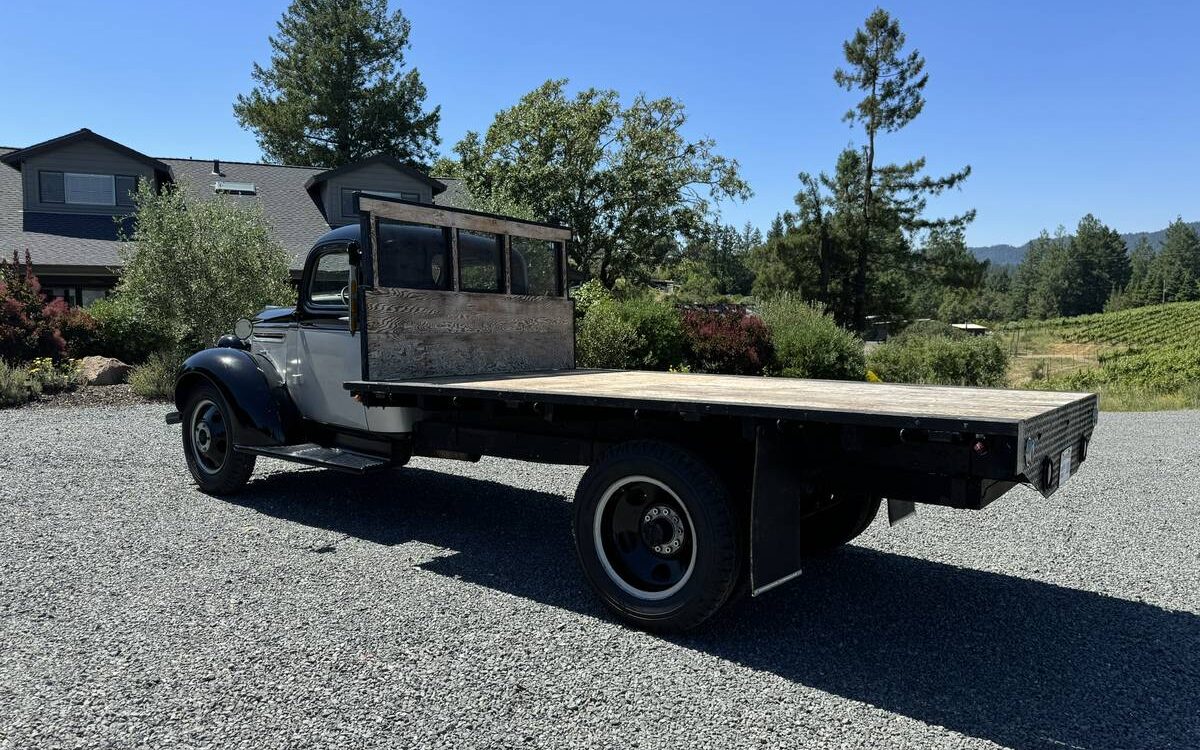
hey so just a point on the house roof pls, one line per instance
(455, 195)
(296, 222)
(88, 244)
(435, 185)
(16, 157)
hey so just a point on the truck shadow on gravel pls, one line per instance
(1022, 663)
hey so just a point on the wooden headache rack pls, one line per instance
(454, 292)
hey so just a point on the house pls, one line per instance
(67, 200)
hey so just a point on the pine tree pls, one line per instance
(892, 84)
(337, 89)
(1178, 263)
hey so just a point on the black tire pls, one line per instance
(209, 434)
(825, 531)
(680, 508)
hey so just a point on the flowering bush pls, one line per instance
(49, 376)
(726, 340)
(29, 325)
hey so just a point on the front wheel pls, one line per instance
(656, 536)
(209, 433)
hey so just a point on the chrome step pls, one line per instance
(318, 455)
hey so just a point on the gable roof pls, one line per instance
(15, 158)
(85, 244)
(435, 185)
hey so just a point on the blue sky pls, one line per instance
(1061, 108)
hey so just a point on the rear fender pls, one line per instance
(253, 388)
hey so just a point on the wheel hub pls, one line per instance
(210, 439)
(203, 436)
(662, 530)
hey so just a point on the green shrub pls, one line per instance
(201, 263)
(54, 377)
(941, 360)
(125, 331)
(640, 333)
(605, 339)
(155, 379)
(16, 387)
(931, 328)
(587, 294)
(810, 344)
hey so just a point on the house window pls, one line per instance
(90, 189)
(79, 189)
(350, 202)
(50, 187)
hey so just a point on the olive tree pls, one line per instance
(196, 265)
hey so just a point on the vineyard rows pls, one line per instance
(1173, 325)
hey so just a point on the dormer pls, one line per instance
(333, 190)
(82, 173)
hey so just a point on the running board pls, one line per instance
(317, 455)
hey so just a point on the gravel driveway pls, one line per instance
(440, 606)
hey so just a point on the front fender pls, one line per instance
(255, 391)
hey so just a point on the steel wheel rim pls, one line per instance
(626, 530)
(209, 437)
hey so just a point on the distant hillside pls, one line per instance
(1009, 255)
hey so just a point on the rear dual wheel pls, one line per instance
(828, 529)
(656, 535)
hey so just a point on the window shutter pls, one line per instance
(349, 205)
(126, 189)
(50, 187)
(90, 189)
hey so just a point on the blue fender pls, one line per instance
(255, 391)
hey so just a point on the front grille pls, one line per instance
(1068, 426)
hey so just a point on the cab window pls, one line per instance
(481, 261)
(413, 256)
(329, 284)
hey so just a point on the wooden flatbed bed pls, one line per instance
(990, 410)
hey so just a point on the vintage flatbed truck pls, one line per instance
(427, 331)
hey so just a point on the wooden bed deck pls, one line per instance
(937, 407)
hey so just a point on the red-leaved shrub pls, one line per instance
(30, 327)
(727, 339)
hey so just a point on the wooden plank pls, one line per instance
(417, 333)
(445, 217)
(943, 403)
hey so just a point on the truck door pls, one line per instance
(325, 353)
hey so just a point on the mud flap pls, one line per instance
(900, 511)
(774, 513)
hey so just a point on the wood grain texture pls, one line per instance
(442, 217)
(417, 333)
(890, 399)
